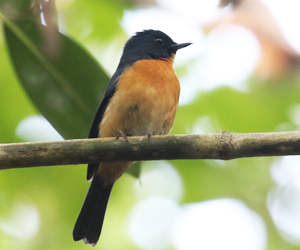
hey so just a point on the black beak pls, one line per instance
(173, 48)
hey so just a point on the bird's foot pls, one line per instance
(122, 134)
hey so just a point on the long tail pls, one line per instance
(90, 220)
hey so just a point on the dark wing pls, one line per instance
(94, 131)
(110, 91)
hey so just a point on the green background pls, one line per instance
(78, 80)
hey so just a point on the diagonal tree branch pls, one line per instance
(224, 146)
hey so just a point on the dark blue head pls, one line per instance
(150, 44)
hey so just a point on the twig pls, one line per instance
(224, 146)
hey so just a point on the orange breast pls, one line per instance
(145, 101)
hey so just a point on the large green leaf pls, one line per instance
(66, 85)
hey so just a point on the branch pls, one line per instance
(224, 146)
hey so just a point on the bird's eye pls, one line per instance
(159, 41)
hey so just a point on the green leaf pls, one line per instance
(64, 81)
(135, 170)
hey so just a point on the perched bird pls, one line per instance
(141, 99)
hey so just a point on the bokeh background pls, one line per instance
(241, 74)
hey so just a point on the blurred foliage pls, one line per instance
(78, 81)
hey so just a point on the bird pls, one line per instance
(141, 99)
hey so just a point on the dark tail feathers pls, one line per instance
(90, 220)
